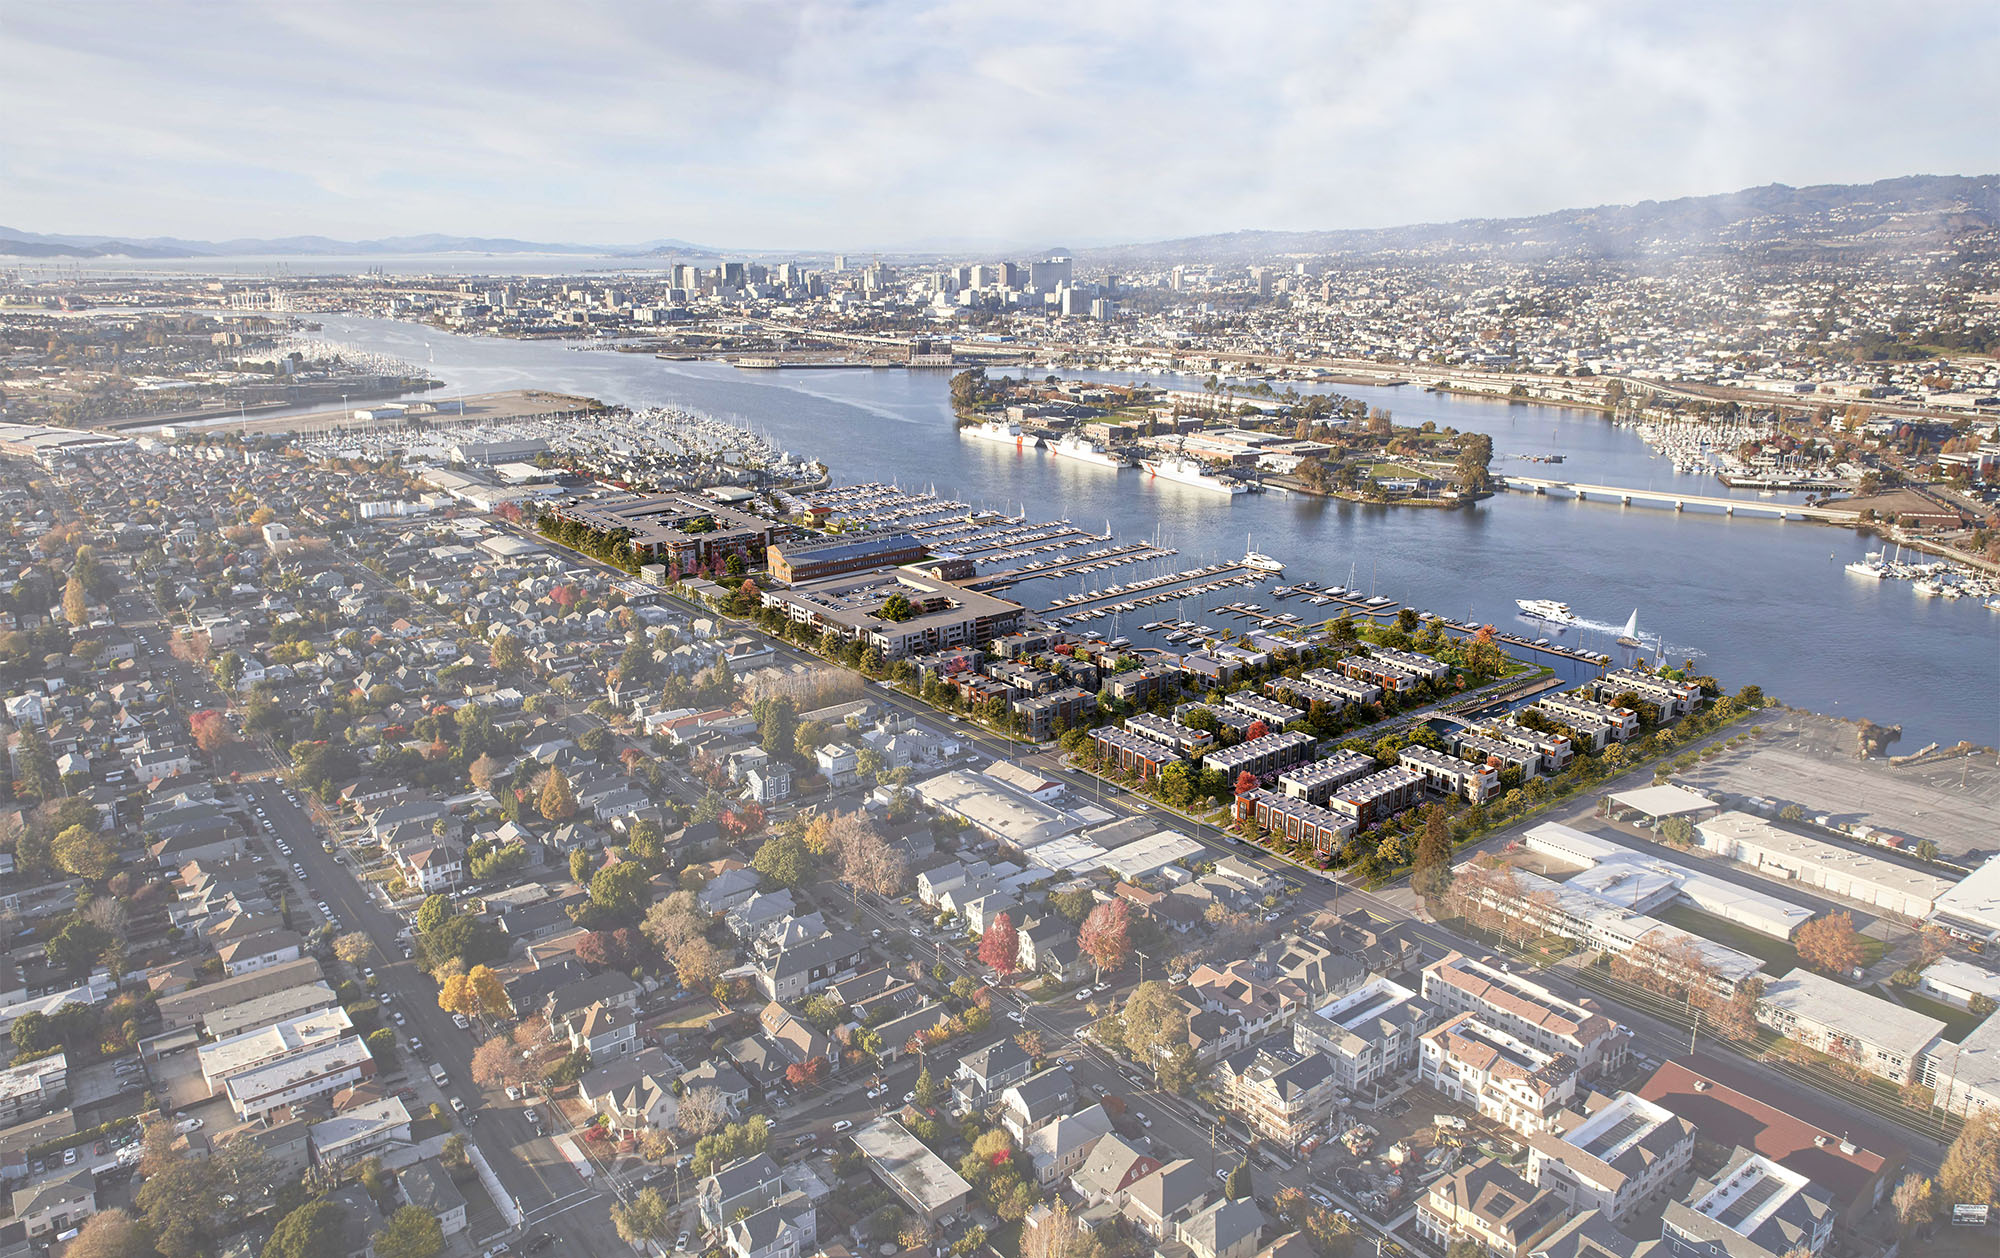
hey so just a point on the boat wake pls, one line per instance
(1671, 651)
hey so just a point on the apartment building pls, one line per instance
(1133, 753)
(1490, 1205)
(1553, 749)
(1299, 691)
(1386, 676)
(1504, 1078)
(1262, 757)
(300, 1077)
(1882, 1037)
(1370, 1036)
(1169, 732)
(1457, 984)
(1449, 775)
(1378, 796)
(1504, 755)
(1673, 698)
(1315, 783)
(1297, 820)
(1754, 1209)
(1356, 691)
(1621, 1156)
(1274, 714)
(1617, 724)
(1284, 1096)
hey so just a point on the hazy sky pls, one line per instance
(856, 124)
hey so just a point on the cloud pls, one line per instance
(857, 124)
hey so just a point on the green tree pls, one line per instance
(412, 1232)
(556, 802)
(1678, 831)
(929, 1091)
(1155, 1021)
(784, 860)
(311, 1231)
(1237, 1186)
(621, 892)
(648, 1216)
(433, 913)
(81, 851)
(579, 866)
(1431, 873)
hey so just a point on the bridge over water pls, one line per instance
(1676, 499)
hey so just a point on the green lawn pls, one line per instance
(1957, 1022)
(1777, 955)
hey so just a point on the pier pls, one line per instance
(1677, 500)
(1090, 561)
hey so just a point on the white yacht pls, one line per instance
(1083, 450)
(1001, 431)
(1871, 566)
(1186, 471)
(1546, 609)
(1257, 559)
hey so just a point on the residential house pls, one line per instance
(426, 1185)
(1488, 1204)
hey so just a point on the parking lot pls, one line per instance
(1810, 761)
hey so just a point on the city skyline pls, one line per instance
(950, 126)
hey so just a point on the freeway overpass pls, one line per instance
(1678, 499)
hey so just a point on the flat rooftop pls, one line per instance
(1797, 849)
(1814, 998)
(893, 1153)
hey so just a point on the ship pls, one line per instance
(1869, 567)
(1546, 609)
(1001, 431)
(1084, 450)
(1186, 471)
(1262, 562)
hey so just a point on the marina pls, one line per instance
(1819, 647)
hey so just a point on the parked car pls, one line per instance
(843, 1125)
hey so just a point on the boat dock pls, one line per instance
(1154, 592)
(1063, 566)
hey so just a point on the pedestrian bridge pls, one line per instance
(1676, 499)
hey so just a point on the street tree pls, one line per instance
(1106, 935)
(1000, 946)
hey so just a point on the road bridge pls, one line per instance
(1677, 499)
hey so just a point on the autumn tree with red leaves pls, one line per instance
(211, 730)
(1000, 946)
(1106, 935)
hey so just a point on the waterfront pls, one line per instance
(1751, 600)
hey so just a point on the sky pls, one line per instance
(858, 124)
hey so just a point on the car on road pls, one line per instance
(1085, 994)
(681, 1241)
(915, 933)
(538, 1242)
(1017, 1015)
(1143, 1120)
(458, 1105)
(843, 1125)
(460, 1021)
(400, 1019)
(909, 1098)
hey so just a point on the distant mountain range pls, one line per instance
(18, 243)
(1914, 211)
